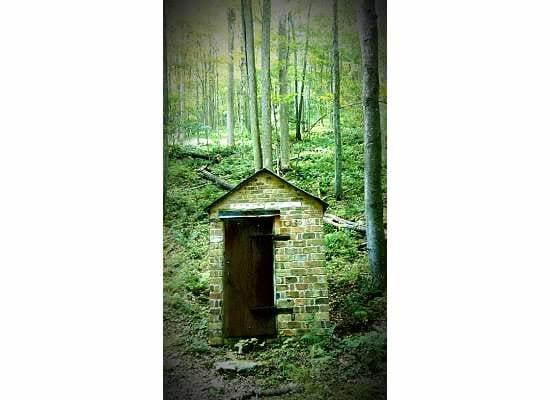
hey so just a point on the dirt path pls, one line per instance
(187, 377)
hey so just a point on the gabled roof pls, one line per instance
(244, 182)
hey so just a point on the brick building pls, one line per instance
(267, 261)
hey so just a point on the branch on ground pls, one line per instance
(292, 387)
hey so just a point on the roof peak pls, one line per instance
(246, 180)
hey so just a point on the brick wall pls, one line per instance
(300, 275)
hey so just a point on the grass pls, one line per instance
(348, 364)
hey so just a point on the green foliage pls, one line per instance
(194, 281)
(195, 129)
(355, 346)
(369, 348)
(340, 244)
(349, 362)
(277, 99)
(323, 363)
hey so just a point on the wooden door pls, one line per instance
(248, 278)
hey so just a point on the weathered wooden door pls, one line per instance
(248, 278)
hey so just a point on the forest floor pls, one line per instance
(192, 377)
(350, 363)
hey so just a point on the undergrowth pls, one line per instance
(347, 364)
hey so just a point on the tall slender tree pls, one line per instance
(181, 97)
(267, 156)
(204, 87)
(376, 242)
(230, 78)
(164, 113)
(243, 98)
(217, 98)
(295, 47)
(252, 87)
(301, 103)
(198, 103)
(381, 6)
(283, 92)
(336, 104)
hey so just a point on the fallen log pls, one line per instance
(292, 387)
(327, 219)
(194, 154)
(210, 157)
(203, 172)
(343, 223)
(180, 152)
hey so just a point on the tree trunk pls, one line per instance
(308, 99)
(189, 85)
(205, 96)
(211, 94)
(182, 90)
(283, 93)
(179, 79)
(252, 89)
(278, 142)
(231, 79)
(291, 22)
(376, 243)
(198, 103)
(381, 7)
(219, 113)
(245, 122)
(267, 156)
(320, 103)
(301, 104)
(336, 104)
(165, 115)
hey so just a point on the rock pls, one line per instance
(235, 365)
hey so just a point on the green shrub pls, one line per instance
(369, 348)
(340, 244)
